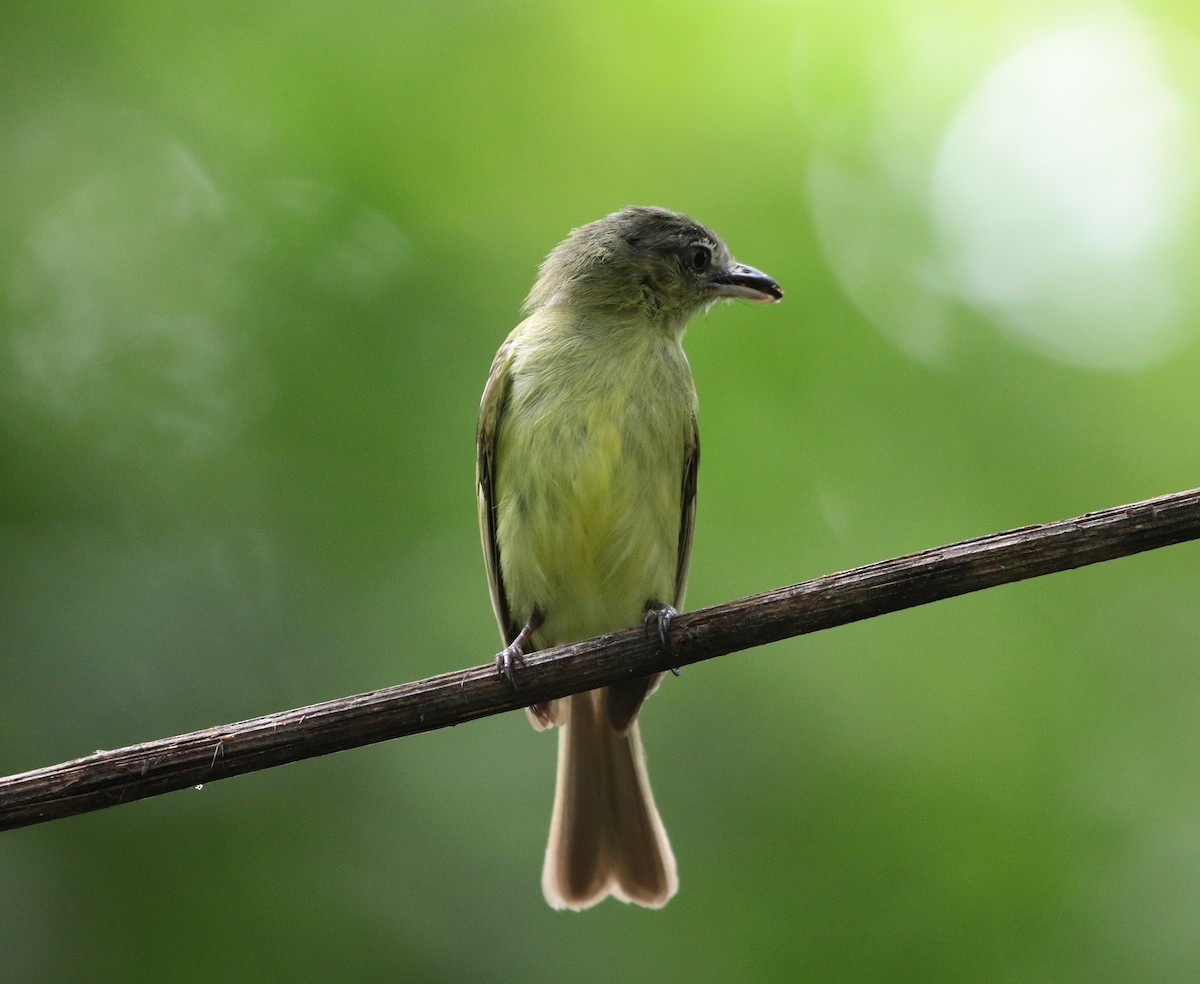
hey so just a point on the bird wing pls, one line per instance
(687, 526)
(491, 415)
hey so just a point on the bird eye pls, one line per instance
(699, 258)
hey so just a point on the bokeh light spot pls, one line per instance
(1062, 189)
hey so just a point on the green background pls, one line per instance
(254, 262)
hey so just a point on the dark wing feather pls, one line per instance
(491, 416)
(687, 526)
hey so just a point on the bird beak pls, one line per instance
(744, 281)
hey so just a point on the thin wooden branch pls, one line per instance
(107, 778)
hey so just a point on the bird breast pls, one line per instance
(588, 523)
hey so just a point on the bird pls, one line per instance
(586, 476)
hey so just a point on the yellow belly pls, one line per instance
(589, 513)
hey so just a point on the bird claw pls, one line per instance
(507, 661)
(658, 621)
(512, 655)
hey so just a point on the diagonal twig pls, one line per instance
(122, 775)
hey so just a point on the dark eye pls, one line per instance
(699, 257)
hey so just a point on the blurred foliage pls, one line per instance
(254, 263)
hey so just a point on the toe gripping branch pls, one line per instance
(510, 657)
(658, 621)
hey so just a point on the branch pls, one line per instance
(107, 778)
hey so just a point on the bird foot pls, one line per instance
(512, 655)
(658, 622)
(507, 660)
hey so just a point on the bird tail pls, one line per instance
(606, 836)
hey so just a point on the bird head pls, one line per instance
(646, 263)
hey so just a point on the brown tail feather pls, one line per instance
(606, 836)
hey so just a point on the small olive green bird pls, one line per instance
(587, 494)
